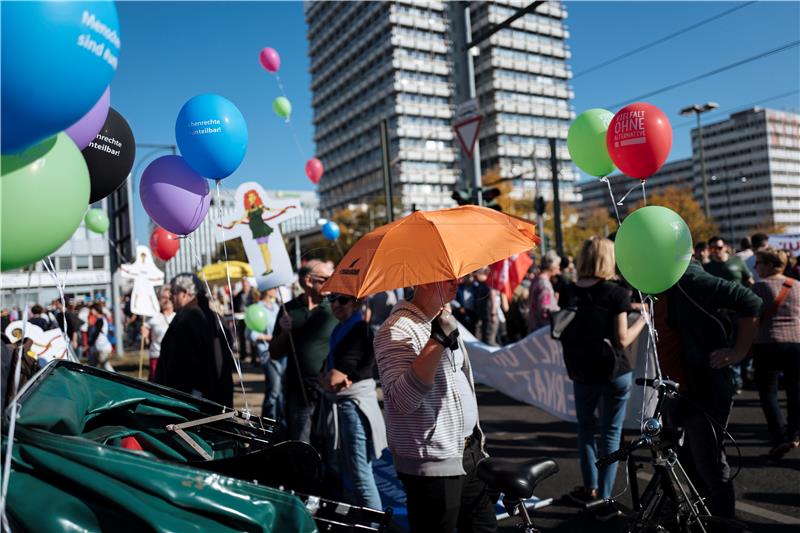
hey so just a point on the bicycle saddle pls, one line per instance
(514, 479)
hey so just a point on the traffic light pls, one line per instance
(490, 196)
(540, 205)
(463, 196)
(469, 197)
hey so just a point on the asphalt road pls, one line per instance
(768, 493)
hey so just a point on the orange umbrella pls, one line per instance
(429, 246)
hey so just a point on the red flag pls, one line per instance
(509, 273)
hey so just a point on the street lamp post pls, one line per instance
(698, 110)
(743, 179)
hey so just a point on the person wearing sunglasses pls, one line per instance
(350, 420)
(309, 321)
(727, 266)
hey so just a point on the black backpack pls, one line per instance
(590, 354)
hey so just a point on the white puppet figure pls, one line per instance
(146, 277)
(256, 221)
(47, 345)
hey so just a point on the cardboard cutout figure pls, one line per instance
(256, 221)
(146, 276)
(47, 345)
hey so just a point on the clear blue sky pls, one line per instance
(172, 51)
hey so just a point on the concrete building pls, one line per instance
(405, 62)
(522, 83)
(202, 246)
(753, 169)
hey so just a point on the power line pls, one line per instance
(738, 108)
(710, 73)
(661, 40)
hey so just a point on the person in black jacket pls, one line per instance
(349, 408)
(195, 357)
(699, 310)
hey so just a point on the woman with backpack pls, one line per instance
(594, 345)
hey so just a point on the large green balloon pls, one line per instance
(653, 248)
(256, 318)
(43, 193)
(282, 107)
(96, 220)
(586, 142)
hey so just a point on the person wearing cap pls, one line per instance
(195, 355)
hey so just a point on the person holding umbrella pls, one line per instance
(430, 407)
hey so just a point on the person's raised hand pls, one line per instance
(286, 322)
(444, 329)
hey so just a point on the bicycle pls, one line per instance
(670, 484)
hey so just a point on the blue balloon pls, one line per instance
(330, 230)
(212, 135)
(58, 58)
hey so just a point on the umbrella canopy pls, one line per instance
(429, 246)
(216, 271)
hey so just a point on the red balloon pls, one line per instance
(314, 170)
(164, 244)
(639, 139)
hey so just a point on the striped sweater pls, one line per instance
(424, 423)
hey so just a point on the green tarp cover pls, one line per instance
(65, 479)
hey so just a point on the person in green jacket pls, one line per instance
(725, 265)
(700, 309)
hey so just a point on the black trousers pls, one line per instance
(770, 361)
(444, 504)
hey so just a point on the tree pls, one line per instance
(682, 201)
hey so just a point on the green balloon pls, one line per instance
(586, 142)
(653, 248)
(96, 220)
(43, 193)
(282, 107)
(255, 318)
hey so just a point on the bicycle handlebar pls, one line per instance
(623, 453)
(658, 383)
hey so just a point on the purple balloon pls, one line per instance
(174, 195)
(86, 129)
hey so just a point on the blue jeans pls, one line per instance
(355, 456)
(273, 388)
(613, 398)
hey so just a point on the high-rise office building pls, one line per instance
(405, 62)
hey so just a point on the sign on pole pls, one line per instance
(467, 125)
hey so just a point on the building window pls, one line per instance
(98, 262)
(64, 262)
(82, 262)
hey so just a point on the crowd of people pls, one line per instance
(323, 357)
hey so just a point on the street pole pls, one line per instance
(297, 254)
(730, 210)
(387, 170)
(556, 198)
(476, 153)
(698, 110)
(706, 205)
(538, 194)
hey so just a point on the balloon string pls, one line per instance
(300, 150)
(610, 192)
(644, 193)
(227, 270)
(236, 365)
(649, 318)
(61, 285)
(14, 410)
(622, 200)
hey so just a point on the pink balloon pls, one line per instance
(270, 59)
(86, 129)
(314, 170)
